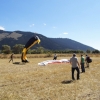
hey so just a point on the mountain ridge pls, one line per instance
(21, 37)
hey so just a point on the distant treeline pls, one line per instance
(17, 49)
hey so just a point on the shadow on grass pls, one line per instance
(19, 63)
(86, 67)
(67, 82)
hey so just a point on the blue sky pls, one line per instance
(78, 20)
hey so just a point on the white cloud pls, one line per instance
(32, 25)
(65, 33)
(2, 28)
(44, 24)
(54, 27)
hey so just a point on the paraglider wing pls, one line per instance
(53, 62)
(32, 41)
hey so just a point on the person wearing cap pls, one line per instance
(82, 64)
(75, 66)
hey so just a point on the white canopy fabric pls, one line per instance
(53, 61)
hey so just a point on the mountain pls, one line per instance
(20, 37)
(71, 44)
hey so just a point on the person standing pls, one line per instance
(11, 58)
(82, 64)
(75, 66)
(55, 57)
(86, 60)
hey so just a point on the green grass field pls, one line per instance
(51, 82)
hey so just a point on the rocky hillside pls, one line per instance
(21, 37)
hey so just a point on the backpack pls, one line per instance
(89, 60)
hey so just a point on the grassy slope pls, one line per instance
(50, 82)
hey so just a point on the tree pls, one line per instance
(17, 49)
(6, 49)
(29, 51)
(40, 50)
(88, 51)
(96, 51)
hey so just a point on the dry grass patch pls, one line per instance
(51, 82)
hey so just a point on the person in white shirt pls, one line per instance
(75, 66)
(55, 57)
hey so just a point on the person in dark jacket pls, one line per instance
(86, 60)
(11, 58)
